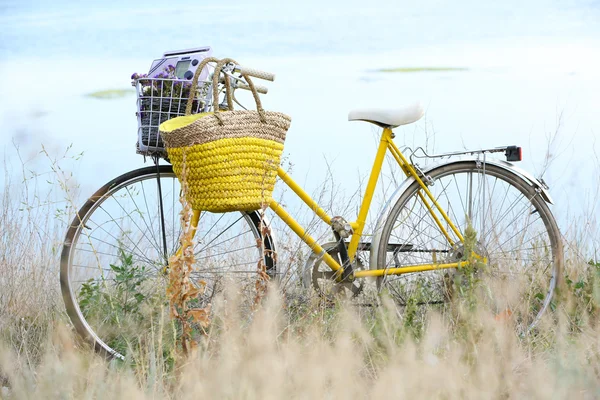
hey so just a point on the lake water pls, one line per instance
(532, 69)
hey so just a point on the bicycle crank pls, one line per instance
(324, 280)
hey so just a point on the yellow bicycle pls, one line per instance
(473, 212)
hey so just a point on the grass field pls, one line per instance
(293, 345)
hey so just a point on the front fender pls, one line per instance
(389, 204)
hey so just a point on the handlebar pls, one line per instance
(255, 73)
(259, 89)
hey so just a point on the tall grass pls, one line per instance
(317, 352)
(293, 345)
(29, 292)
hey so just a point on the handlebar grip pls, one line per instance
(257, 74)
(259, 89)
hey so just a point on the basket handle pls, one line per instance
(194, 87)
(228, 90)
(216, 75)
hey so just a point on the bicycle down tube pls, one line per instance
(358, 225)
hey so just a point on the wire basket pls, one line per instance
(159, 100)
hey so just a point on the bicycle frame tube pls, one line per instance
(386, 139)
(304, 196)
(408, 269)
(302, 234)
(384, 144)
(357, 226)
(410, 171)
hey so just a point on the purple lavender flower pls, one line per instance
(135, 75)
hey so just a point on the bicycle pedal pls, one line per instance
(342, 227)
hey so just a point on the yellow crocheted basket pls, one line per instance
(229, 159)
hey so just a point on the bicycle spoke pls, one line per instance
(200, 240)
(147, 210)
(96, 252)
(220, 234)
(226, 252)
(516, 234)
(122, 231)
(157, 247)
(130, 251)
(228, 266)
(512, 205)
(92, 267)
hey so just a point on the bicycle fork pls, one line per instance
(162, 213)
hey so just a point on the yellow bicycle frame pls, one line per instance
(424, 194)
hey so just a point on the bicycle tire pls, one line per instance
(504, 203)
(113, 257)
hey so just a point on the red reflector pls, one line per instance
(514, 153)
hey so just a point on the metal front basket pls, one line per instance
(159, 100)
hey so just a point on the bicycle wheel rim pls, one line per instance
(220, 238)
(520, 238)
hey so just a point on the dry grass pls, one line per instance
(293, 346)
(316, 352)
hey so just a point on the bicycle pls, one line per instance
(118, 246)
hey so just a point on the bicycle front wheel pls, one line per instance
(114, 259)
(512, 227)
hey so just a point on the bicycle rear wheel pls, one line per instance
(514, 229)
(113, 275)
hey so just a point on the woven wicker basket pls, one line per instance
(230, 158)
